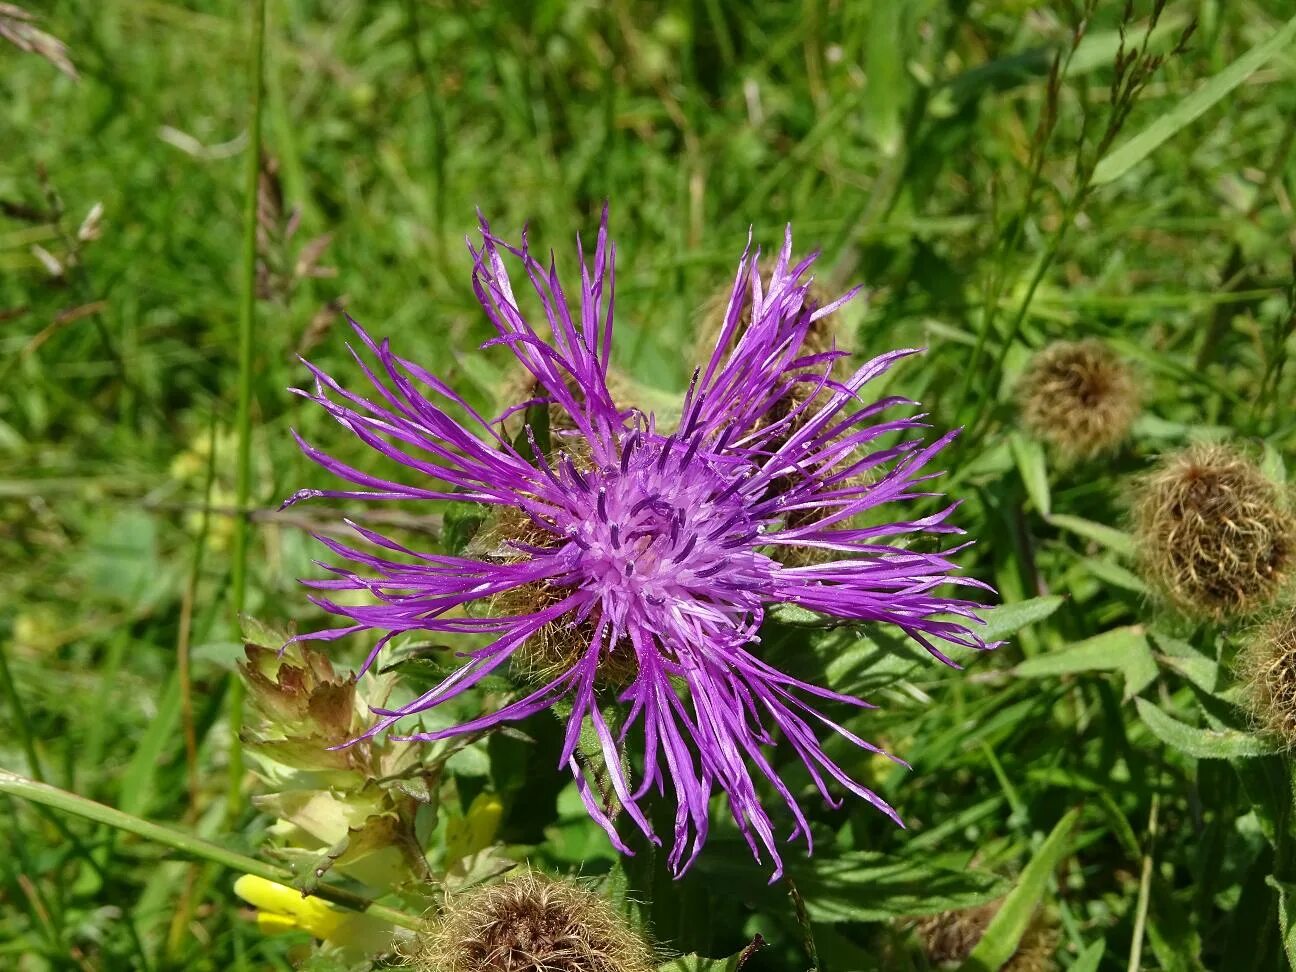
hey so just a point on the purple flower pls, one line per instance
(654, 552)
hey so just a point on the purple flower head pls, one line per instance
(654, 552)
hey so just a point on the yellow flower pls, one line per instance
(284, 909)
(475, 830)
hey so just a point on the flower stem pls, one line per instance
(190, 845)
(243, 420)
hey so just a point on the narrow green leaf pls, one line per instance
(1114, 574)
(870, 886)
(1090, 958)
(1140, 670)
(1121, 649)
(1028, 454)
(1129, 153)
(887, 81)
(859, 885)
(139, 783)
(1008, 619)
(1267, 784)
(1010, 922)
(1286, 916)
(1180, 656)
(696, 963)
(795, 614)
(1201, 743)
(1111, 538)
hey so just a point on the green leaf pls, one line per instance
(139, 784)
(1123, 650)
(872, 886)
(262, 633)
(1174, 936)
(696, 963)
(795, 614)
(1114, 574)
(1286, 916)
(1090, 958)
(1007, 619)
(1181, 657)
(1010, 922)
(887, 81)
(1201, 743)
(1129, 153)
(1109, 537)
(1031, 465)
(1267, 785)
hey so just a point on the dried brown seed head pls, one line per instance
(1216, 537)
(1266, 666)
(1080, 397)
(948, 938)
(530, 923)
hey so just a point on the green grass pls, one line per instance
(904, 139)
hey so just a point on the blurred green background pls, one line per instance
(903, 139)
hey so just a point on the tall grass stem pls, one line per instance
(243, 420)
(190, 845)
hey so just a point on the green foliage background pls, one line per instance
(1097, 763)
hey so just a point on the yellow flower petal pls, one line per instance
(318, 917)
(476, 830)
(268, 923)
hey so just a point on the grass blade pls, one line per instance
(1010, 922)
(1128, 154)
(188, 844)
(243, 419)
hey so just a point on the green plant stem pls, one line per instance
(1145, 890)
(190, 845)
(243, 420)
(803, 919)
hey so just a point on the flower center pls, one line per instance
(665, 530)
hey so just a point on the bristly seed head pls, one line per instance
(1080, 397)
(1266, 666)
(1216, 537)
(949, 937)
(530, 923)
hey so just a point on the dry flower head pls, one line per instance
(530, 923)
(949, 937)
(1080, 397)
(1266, 666)
(1216, 537)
